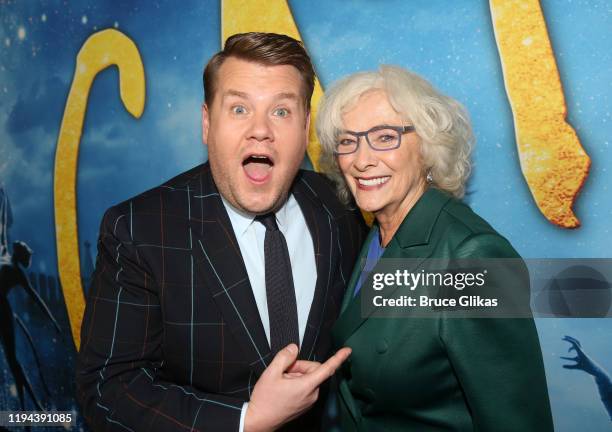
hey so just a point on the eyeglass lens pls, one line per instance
(380, 139)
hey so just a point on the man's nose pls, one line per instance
(260, 128)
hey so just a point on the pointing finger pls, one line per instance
(328, 368)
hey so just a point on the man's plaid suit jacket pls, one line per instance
(172, 338)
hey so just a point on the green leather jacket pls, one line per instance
(437, 374)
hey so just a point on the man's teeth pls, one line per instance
(373, 182)
(259, 159)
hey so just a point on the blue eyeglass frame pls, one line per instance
(401, 130)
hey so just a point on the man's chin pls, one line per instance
(263, 204)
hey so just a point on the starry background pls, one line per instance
(450, 43)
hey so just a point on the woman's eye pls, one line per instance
(281, 112)
(239, 109)
(347, 142)
(386, 138)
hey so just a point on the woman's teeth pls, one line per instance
(373, 181)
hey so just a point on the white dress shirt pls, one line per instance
(251, 235)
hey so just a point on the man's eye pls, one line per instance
(281, 112)
(239, 109)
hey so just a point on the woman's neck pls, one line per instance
(391, 217)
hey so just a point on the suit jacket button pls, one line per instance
(382, 346)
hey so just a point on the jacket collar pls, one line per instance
(417, 226)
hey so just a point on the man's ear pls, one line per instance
(205, 123)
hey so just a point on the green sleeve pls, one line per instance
(498, 362)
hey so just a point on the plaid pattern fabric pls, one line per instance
(172, 338)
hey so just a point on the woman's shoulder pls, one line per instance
(468, 233)
(460, 216)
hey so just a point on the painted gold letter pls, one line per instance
(100, 50)
(552, 159)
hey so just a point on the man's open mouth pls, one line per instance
(258, 167)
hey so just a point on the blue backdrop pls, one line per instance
(450, 43)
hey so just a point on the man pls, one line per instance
(205, 285)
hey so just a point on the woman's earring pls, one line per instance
(429, 177)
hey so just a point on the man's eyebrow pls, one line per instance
(278, 96)
(287, 95)
(235, 93)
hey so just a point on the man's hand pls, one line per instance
(287, 388)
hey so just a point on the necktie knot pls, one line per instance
(268, 220)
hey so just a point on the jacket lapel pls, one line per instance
(323, 231)
(411, 241)
(349, 294)
(221, 267)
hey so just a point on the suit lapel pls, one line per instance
(350, 312)
(349, 295)
(411, 241)
(322, 229)
(221, 267)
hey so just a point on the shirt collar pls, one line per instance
(241, 221)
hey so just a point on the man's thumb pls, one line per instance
(284, 358)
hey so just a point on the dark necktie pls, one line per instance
(282, 307)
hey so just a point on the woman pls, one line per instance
(402, 150)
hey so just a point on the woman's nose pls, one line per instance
(364, 156)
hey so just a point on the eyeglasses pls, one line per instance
(379, 138)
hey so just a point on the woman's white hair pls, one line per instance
(441, 123)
